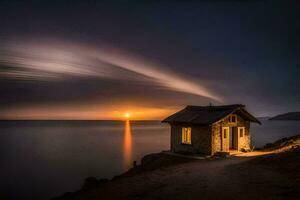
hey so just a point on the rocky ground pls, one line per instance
(271, 173)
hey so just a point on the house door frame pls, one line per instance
(225, 133)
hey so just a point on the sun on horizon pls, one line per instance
(127, 115)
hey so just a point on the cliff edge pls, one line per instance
(271, 173)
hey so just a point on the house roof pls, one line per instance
(205, 115)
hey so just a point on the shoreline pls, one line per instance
(178, 173)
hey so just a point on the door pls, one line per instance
(233, 138)
(225, 139)
(241, 136)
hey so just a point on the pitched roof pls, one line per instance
(205, 115)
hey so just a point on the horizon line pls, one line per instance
(80, 119)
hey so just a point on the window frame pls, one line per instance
(186, 135)
(225, 132)
(243, 132)
(235, 117)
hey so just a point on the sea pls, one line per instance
(40, 160)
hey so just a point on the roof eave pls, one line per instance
(251, 117)
(240, 108)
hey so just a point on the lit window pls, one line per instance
(186, 137)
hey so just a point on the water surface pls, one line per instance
(43, 159)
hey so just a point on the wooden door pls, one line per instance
(225, 139)
(241, 136)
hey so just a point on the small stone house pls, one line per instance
(210, 129)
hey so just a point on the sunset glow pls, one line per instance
(127, 115)
(84, 112)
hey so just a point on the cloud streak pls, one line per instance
(56, 60)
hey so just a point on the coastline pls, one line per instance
(274, 170)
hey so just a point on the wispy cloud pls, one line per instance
(55, 60)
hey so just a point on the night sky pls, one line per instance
(92, 60)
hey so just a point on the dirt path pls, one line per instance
(192, 180)
(245, 176)
(185, 181)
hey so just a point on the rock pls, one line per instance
(283, 142)
(245, 150)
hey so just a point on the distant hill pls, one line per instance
(287, 116)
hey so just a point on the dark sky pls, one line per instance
(92, 60)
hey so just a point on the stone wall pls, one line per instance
(242, 142)
(216, 137)
(201, 139)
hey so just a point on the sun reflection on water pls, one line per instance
(127, 145)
